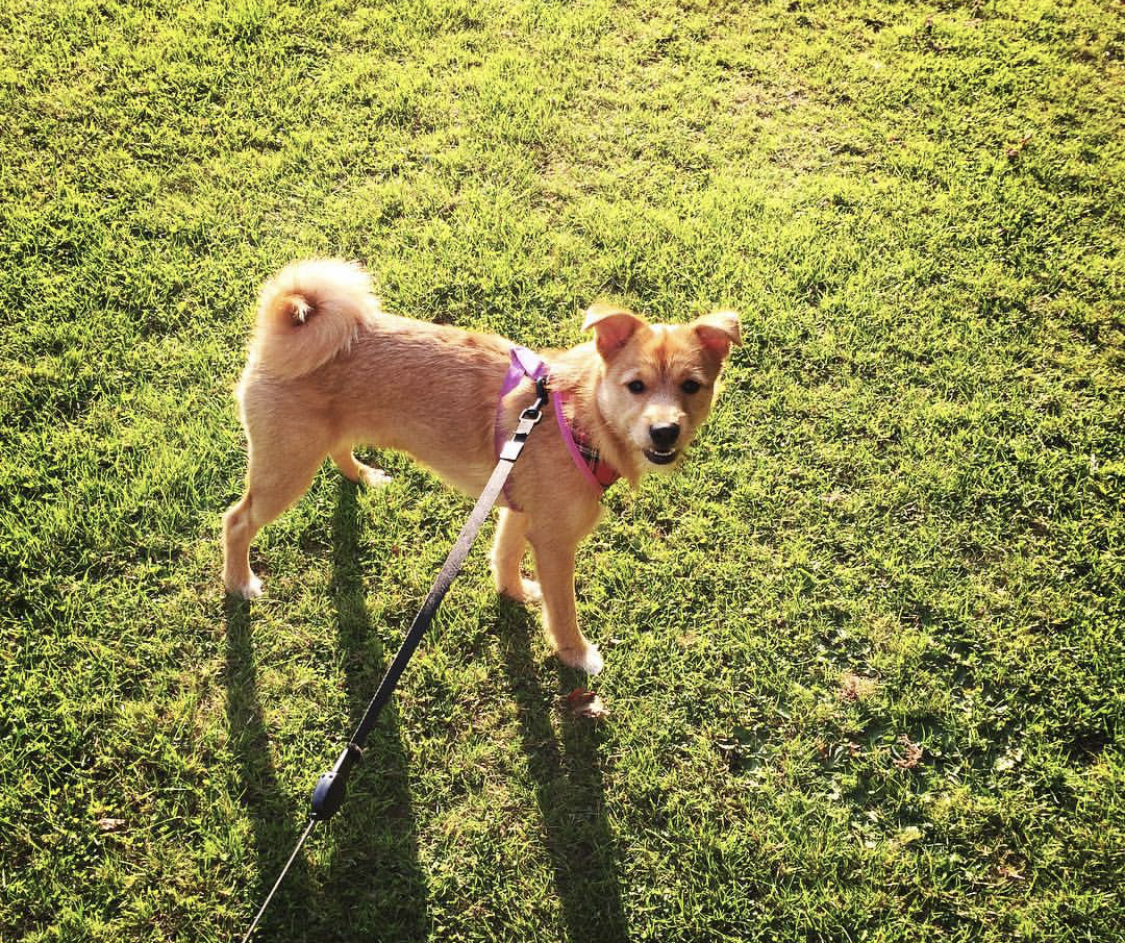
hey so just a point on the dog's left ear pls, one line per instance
(718, 331)
(612, 327)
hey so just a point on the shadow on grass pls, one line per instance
(277, 825)
(568, 790)
(372, 889)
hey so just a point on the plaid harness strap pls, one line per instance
(587, 459)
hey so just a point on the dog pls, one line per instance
(329, 369)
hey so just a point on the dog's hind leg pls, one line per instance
(507, 554)
(279, 472)
(355, 470)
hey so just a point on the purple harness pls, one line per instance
(526, 363)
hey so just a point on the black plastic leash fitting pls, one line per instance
(332, 787)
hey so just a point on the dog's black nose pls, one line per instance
(664, 434)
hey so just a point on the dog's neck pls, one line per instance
(578, 376)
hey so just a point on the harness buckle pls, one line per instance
(534, 412)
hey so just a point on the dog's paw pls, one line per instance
(587, 659)
(532, 591)
(373, 477)
(250, 590)
(526, 591)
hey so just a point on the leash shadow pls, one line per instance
(275, 821)
(569, 790)
(373, 888)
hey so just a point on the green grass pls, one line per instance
(903, 525)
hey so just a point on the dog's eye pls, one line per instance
(635, 386)
(690, 386)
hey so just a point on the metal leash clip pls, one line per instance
(528, 419)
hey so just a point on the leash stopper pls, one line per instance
(332, 787)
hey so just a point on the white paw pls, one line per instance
(526, 591)
(251, 590)
(532, 591)
(373, 477)
(588, 659)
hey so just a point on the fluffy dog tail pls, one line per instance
(308, 312)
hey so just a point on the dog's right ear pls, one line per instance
(612, 327)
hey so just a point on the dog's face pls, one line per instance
(659, 380)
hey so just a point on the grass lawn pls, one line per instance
(866, 655)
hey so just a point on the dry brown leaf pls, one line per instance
(585, 703)
(110, 825)
(913, 753)
(1016, 149)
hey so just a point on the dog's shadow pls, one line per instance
(568, 788)
(276, 824)
(373, 887)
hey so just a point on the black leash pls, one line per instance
(330, 789)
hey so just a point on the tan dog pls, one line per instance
(328, 369)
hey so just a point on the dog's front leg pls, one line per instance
(507, 554)
(554, 562)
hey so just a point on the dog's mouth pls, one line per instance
(661, 458)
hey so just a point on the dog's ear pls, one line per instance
(718, 331)
(612, 327)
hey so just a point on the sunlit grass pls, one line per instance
(865, 653)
